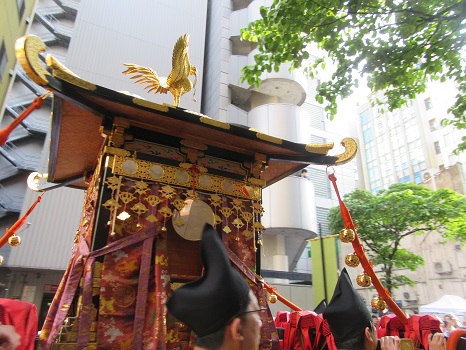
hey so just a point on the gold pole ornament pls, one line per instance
(177, 81)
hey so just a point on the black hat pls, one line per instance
(346, 314)
(206, 305)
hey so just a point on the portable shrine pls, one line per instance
(153, 175)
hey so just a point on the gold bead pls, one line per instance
(164, 229)
(347, 235)
(364, 280)
(14, 241)
(352, 260)
(2, 259)
(378, 303)
(272, 298)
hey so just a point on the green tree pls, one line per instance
(402, 210)
(397, 45)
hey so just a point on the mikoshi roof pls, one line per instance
(83, 110)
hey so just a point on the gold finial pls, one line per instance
(177, 81)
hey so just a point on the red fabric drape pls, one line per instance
(23, 316)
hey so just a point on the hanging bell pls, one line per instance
(347, 235)
(352, 260)
(2, 259)
(378, 303)
(272, 298)
(364, 280)
(14, 241)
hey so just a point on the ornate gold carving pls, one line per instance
(139, 208)
(149, 104)
(258, 165)
(194, 144)
(319, 148)
(117, 151)
(167, 174)
(63, 73)
(257, 182)
(192, 154)
(269, 138)
(351, 148)
(177, 82)
(27, 49)
(406, 344)
(216, 123)
(117, 137)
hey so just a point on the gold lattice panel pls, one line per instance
(124, 165)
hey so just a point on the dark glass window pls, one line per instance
(428, 103)
(3, 60)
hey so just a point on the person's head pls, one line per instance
(447, 321)
(364, 340)
(304, 173)
(375, 320)
(243, 329)
(349, 319)
(219, 307)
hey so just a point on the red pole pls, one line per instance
(36, 104)
(281, 298)
(11, 231)
(359, 250)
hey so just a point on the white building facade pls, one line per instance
(411, 145)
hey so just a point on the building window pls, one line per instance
(317, 139)
(322, 219)
(448, 139)
(365, 117)
(428, 103)
(321, 184)
(368, 135)
(437, 147)
(433, 124)
(3, 60)
(21, 7)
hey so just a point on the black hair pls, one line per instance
(214, 340)
(356, 343)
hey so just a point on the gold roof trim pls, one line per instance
(216, 123)
(272, 139)
(152, 105)
(63, 73)
(320, 148)
(27, 50)
(351, 148)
